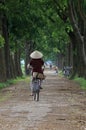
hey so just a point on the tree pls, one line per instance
(46, 25)
(78, 22)
(2, 56)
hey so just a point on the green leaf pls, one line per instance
(1, 41)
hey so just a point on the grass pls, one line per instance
(81, 81)
(7, 95)
(14, 81)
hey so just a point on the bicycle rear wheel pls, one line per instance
(36, 89)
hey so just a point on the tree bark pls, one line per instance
(81, 52)
(29, 46)
(17, 61)
(6, 46)
(2, 66)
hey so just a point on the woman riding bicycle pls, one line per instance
(36, 63)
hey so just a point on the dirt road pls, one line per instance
(62, 106)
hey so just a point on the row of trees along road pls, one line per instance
(57, 28)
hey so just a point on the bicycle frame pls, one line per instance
(36, 88)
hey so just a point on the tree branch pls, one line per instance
(82, 14)
(62, 13)
(73, 21)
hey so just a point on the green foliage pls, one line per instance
(1, 41)
(37, 20)
(2, 7)
(10, 82)
(81, 81)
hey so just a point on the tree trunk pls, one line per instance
(61, 60)
(81, 50)
(29, 46)
(85, 46)
(6, 46)
(2, 66)
(74, 51)
(12, 65)
(69, 55)
(17, 64)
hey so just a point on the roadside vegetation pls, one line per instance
(81, 81)
(56, 28)
(14, 81)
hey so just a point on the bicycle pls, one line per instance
(36, 88)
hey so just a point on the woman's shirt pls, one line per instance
(37, 65)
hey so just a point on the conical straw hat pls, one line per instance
(36, 55)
